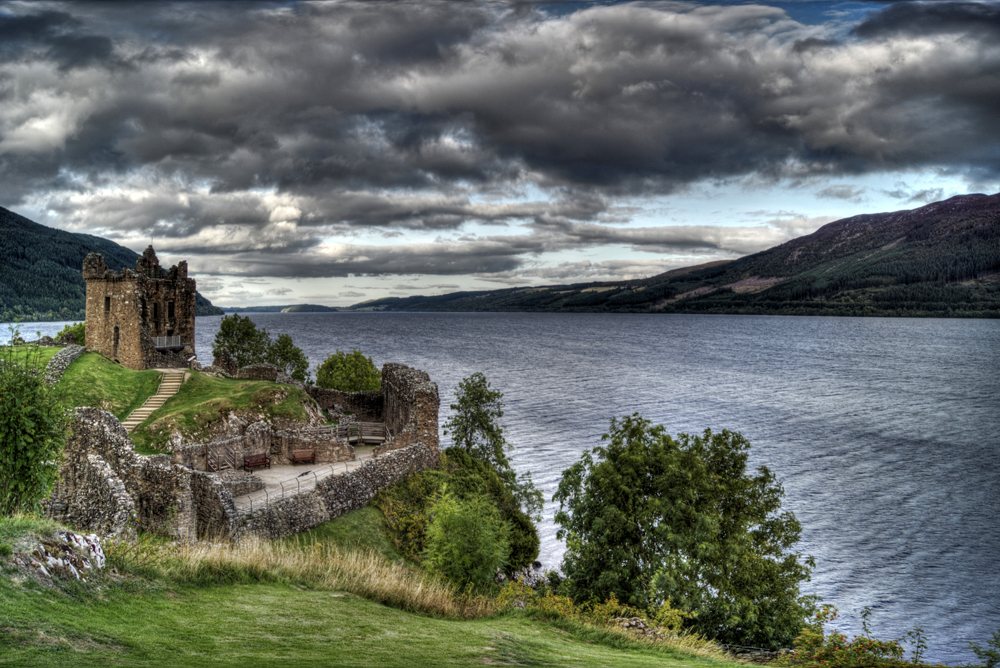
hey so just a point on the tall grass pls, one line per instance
(365, 573)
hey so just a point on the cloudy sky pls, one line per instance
(333, 152)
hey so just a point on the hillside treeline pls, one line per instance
(40, 271)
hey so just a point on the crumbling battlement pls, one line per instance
(126, 310)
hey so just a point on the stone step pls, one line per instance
(170, 383)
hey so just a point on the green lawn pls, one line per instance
(40, 355)
(133, 624)
(94, 380)
(203, 399)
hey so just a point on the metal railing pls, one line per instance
(292, 486)
(167, 342)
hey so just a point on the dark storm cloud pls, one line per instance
(980, 19)
(268, 128)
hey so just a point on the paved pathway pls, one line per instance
(283, 480)
(169, 384)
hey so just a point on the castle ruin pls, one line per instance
(142, 319)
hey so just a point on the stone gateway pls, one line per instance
(142, 319)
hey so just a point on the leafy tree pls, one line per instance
(476, 428)
(349, 372)
(284, 353)
(989, 657)
(33, 430)
(77, 329)
(650, 518)
(467, 540)
(240, 336)
(407, 505)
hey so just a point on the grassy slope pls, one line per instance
(275, 625)
(94, 380)
(137, 622)
(201, 401)
(359, 529)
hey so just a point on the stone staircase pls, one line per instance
(169, 384)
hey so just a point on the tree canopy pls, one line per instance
(476, 427)
(249, 344)
(651, 518)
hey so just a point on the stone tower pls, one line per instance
(142, 319)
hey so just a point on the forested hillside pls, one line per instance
(942, 259)
(40, 270)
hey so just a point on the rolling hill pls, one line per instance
(40, 270)
(942, 260)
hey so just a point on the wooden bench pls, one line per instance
(250, 462)
(303, 456)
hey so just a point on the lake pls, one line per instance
(884, 432)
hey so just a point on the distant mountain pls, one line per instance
(40, 271)
(942, 259)
(308, 308)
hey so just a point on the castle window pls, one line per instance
(107, 304)
(170, 310)
(156, 312)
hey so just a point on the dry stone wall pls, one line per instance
(92, 498)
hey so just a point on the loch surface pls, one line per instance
(884, 432)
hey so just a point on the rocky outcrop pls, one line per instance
(64, 554)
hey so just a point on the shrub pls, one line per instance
(407, 506)
(989, 657)
(349, 372)
(467, 540)
(78, 330)
(33, 430)
(816, 649)
(250, 345)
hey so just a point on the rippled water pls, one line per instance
(885, 432)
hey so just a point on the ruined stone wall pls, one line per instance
(93, 499)
(328, 449)
(366, 406)
(215, 513)
(160, 492)
(338, 494)
(410, 407)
